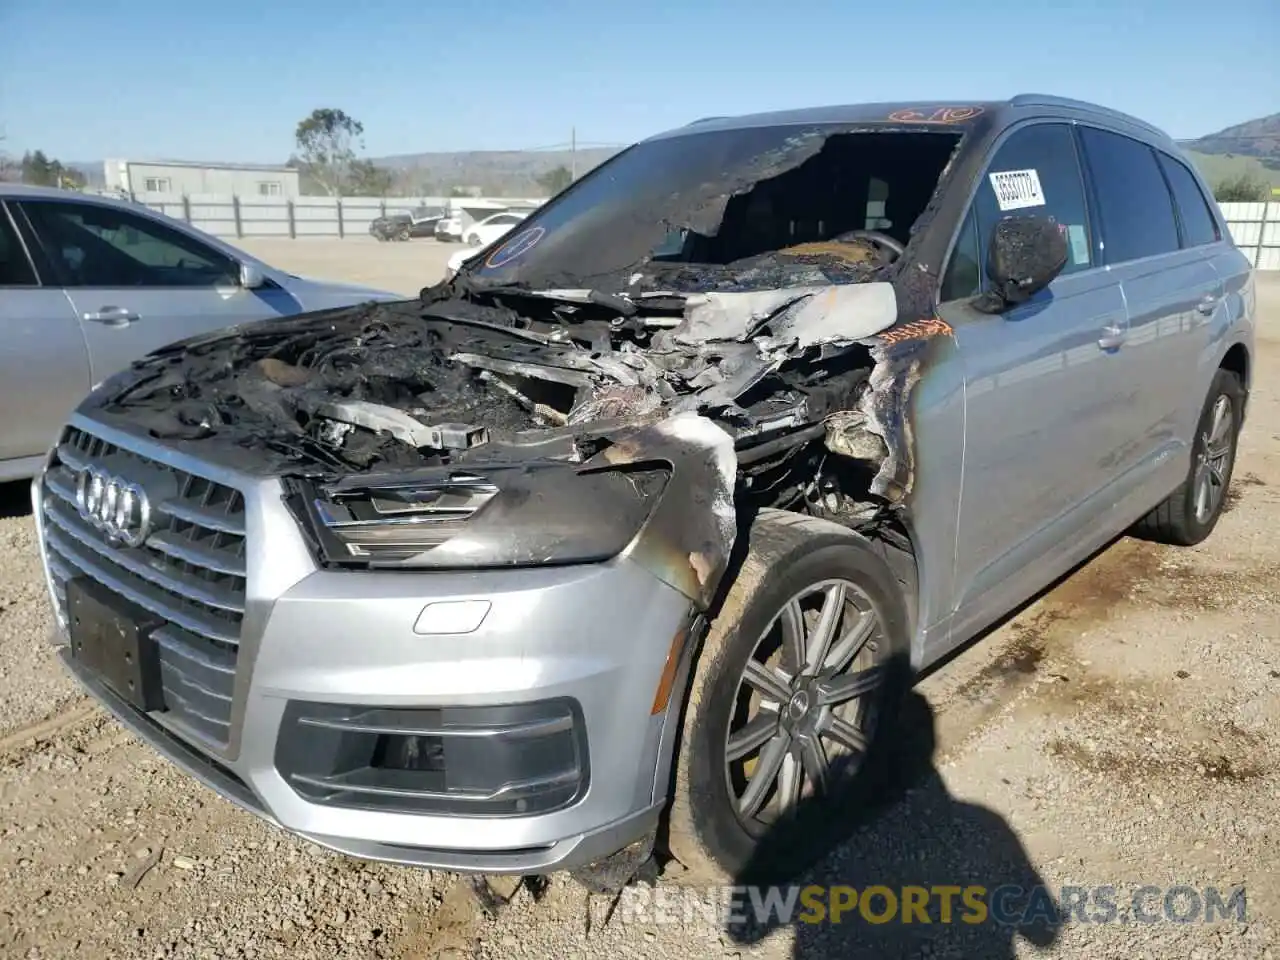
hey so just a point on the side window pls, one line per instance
(1198, 224)
(98, 246)
(15, 268)
(1036, 171)
(964, 272)
(1133, 201)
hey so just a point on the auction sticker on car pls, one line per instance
(517, 246)
(1017, 189)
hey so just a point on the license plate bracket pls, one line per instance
(112, 637)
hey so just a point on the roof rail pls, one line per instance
(1050, 100)
(694, 123)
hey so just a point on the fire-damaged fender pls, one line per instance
(688, 538)
(900, 354)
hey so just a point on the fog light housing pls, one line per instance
(502, 761)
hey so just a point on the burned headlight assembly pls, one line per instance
(504, 516)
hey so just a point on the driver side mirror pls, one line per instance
(1025, 255)
(251, 277)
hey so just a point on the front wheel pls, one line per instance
(797, 679)
(1189, 514)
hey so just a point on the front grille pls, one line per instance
(190, 570)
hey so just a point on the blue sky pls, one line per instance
(229, 79)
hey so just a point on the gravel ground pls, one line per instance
(1119, 731)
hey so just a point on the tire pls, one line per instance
(1179, 519)
(787, 554)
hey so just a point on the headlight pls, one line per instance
(522, 515)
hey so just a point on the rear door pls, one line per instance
(1202, 230)
(137, 284)
(44, 364)
(1043, 382)
(1171, 290)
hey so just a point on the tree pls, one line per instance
(367, 180)
(1242, 189)
(327, 141)
(553, 181)
(42, 171)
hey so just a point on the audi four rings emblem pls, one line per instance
(116, 507)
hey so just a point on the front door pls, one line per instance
(1043, 383)
(137, 285)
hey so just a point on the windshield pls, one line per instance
(718, 199)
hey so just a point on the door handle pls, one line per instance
(1207, 306)
(1112, 338)
(112, 316)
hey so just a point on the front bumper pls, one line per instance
(595, 636)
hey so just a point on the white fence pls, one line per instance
(1256, 229)
(236, 217)
(1255, 226)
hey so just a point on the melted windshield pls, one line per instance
(698, 211)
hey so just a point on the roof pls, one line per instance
(939, 114)
(20, 190)
(213, 165)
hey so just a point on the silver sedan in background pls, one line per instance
(88, 284)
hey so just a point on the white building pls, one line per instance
(176, 178)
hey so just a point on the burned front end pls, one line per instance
(418, 580)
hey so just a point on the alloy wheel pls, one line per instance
(805, 706)
(1214, 460)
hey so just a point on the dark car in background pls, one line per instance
(405, 226)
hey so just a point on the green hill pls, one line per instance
(1227, 166)
(1250, 149)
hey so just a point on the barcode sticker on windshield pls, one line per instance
(1016, 189)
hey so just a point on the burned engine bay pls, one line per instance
(779, 383)
(766, 394)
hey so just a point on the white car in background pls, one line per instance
(491, 228)
(449, 229)
(456, 261)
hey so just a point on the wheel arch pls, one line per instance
(1238, 361)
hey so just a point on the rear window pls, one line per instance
(1198, 224)
(1133, 201)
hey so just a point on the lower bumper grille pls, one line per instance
(186, 565)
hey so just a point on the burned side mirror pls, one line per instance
(1025, 254)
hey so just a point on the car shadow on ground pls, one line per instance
(915, 840)
(15, 499)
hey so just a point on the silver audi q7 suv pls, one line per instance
(631, 535)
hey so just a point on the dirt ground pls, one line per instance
(399, 267)
(1121, 731)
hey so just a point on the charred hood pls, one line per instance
(507, 375)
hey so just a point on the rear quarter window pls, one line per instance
(1134, 205)
(1198, 224)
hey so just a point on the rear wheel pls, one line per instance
(1189, 514)
(795, 683)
